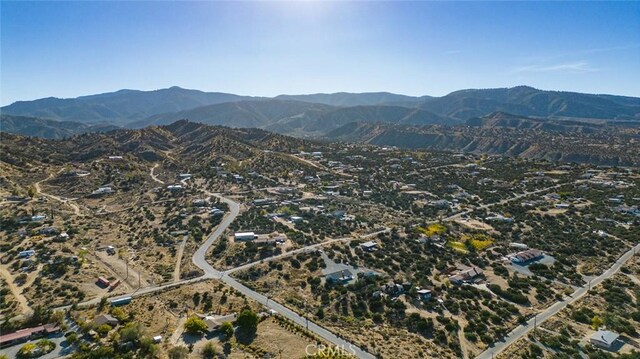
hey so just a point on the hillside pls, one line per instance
(188, 140)
(318, 114)
(528, 101)
(32, 126)
(346, 99)
(238, 114)
(296, 117)
(118, 107)
(615, 146)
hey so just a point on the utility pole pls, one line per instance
(127, 267)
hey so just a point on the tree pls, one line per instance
(57, 317)
(131, 332)
(72, 337)
(227, 329)
(248, 321)
(104, 329)
(209, 350)
(31, 192)
(103, 303)
(195, 325)
(180, 352)
(596, 322)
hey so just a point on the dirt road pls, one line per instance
(25, 309)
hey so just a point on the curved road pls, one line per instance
(199, 259)
(522, 330)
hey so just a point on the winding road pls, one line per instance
(210, 272)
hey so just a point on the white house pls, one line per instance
(244, 236)
(369, 246)
(604, 339)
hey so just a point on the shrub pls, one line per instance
(195, 325)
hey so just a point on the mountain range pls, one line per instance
(320, 113)
(520, 121)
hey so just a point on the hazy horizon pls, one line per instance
(67, 50)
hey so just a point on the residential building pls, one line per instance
(369, 246)
(339, 277)
(527, 256)
(466, 275)
(604, 339)
(244, 236)
(105, 319)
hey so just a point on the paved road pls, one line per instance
(199, 259)
(522, 330)
(291, 315)
(506, 200)
(303, 250)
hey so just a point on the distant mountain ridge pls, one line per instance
(586, 143)
(118, 107)
(31, 126)
(528, 101)
(315, 115)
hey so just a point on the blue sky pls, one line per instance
(68, 49)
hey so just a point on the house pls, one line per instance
(27, 334)
(213, 323)
(102, 191)
(184, 175)
(199, 202)
(244, 236)
(48, 231)
(174, 187)
(604, 339)
(103, 282)
(263, 202)
(38, 218)
(63, 236)
(393, 289)
(121, 301)
(105, 319)
(157, 339)
(369, 246)
(26, 254)
(295, 219)
(526, 256)
(424, 294)
(499, 218)
(367, 194)
(339, 277)
(466, 275)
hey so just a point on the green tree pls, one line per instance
(209, 350)
(103, 303)
(31, 192)
(179, 352)
(195, 325)
(104, 329)
(247, 321)
(596, 322)
(26, 350)
(227, 329)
